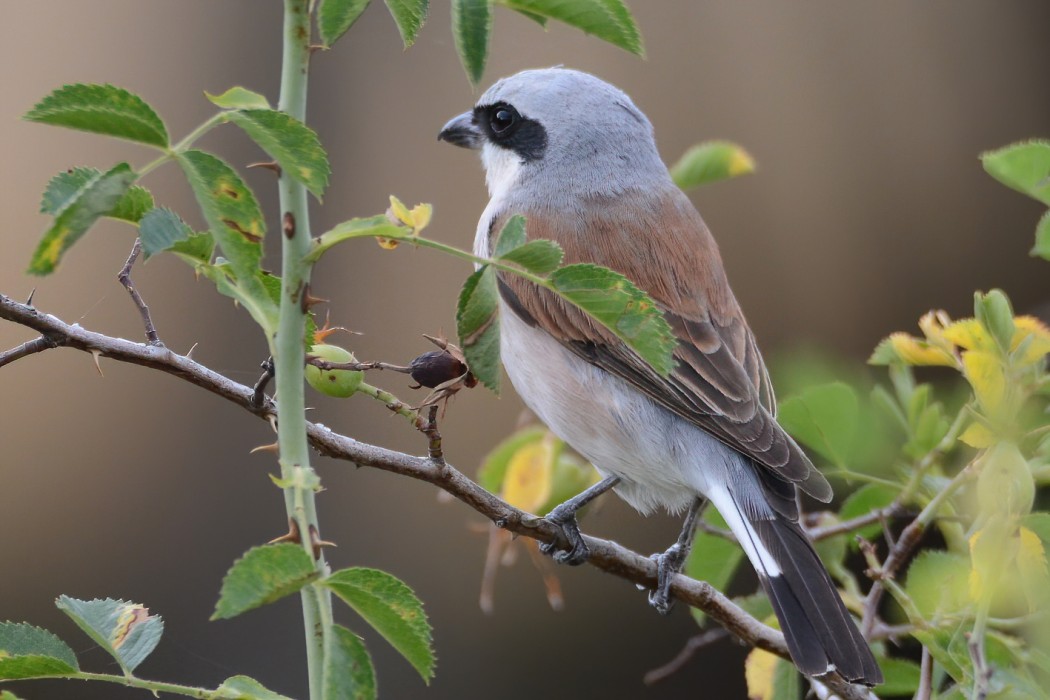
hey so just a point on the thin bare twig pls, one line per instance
(125, 279)
(925, 689)
(259, 390)
(693, 645)
(605, 555)
(822, 533)
(30, 347)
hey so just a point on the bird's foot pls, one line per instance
(668, 564)
(565, 519)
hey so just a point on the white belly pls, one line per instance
(662, 459)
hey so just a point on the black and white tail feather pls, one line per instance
(821, 635)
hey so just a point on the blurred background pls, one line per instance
(869, 208)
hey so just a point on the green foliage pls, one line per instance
(471, 28)
(617, 304)
(291, 143)
(263, 575)
(900, 677)
(609, 20)
(389, 606)
(710, 162)
(102, 109)
(229, 207)
(348, 672)
(126, 630)
(477, 324)
(494, 466)
(1026, 168)
(824, 418)
(239, 98)
(76, 209)
(335, 17)
(31, 652)
(409, 15)
(160, 230)
(373, 226)
(245, 688)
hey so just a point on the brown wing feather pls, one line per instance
(720, 382)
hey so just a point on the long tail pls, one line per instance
(820, 633)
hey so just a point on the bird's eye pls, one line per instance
(502, 119)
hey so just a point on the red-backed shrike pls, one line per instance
(575, 156)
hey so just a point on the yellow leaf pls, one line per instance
(1032, 557)
(919, 352)
(759, 669)
(1038, 346)
(400, 211)
(977, 435)
(969, 334)
(387, 243)
(527, 484)
(984, 371)
(740, 163)
(420, 216)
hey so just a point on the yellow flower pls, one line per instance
(1029, 327)
(919, 352)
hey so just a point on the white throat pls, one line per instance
(501, 169)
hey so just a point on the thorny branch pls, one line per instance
(605, 555)
(125, 279)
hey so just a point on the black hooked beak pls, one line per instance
(461, 131)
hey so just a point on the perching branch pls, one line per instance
(604, 554)
(30, 347)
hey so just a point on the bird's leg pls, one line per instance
(564, 516)
(670, 562)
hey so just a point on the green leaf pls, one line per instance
(258, 301)
(291, 143)
(538, 19)
(900, 676)
(8, 695)
(710, 162)
(1042, 237)
(102, 109)
(471, 28)
(230, 209)
(864, 500)
(133, 205)
(769, 677)
(494, 466)
(263, 575)
(76, 210)
(160, 230)
(409, 16)
(370, 227)
(390, 606)
(239, 98)
(31, 652)
(478, 326)
(348, 671)
(609, 20)
(614, 301)
(196, 249)
(824, 418)
(126, 630)
(937, 582)
(713, 558)
(335, 17)
(245, 688)
(511, 236)
(1024, 167)
(540, 257)
(64, 186)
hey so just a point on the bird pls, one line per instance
(575, 156)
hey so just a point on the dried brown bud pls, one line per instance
(437, 367)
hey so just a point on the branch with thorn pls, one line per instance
(605, 555)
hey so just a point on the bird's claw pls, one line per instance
(577, 552)
(668, 564)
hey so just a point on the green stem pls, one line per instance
(392, 402)
(288, 352)
(153, 686)
(185, 143)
